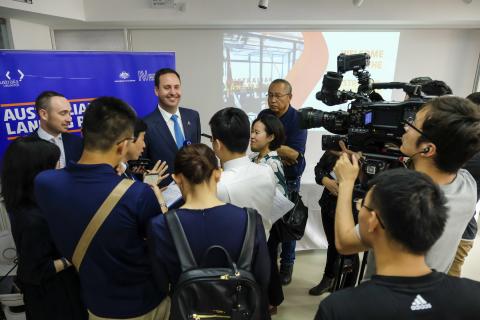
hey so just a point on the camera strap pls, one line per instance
(100, 216)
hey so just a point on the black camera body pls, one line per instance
(374, 128)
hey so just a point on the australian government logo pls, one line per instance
(12, 79)
(124, 76)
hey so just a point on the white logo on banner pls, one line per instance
(124, 76)
(11, 82)
(143, 75)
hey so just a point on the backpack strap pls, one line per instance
(185, 255)
(245, 260)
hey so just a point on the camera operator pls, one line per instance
(444, 135)
(466, 243)
(401, 217)
(325, 176)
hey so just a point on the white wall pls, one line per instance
(72, 9)
(199, 56)
(448, 55)
(30, 36)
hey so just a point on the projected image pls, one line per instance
(253, 59)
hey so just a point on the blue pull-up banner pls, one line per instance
(80, 77)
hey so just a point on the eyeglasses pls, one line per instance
(407, 124)
(125, 139)
(359, 204)
(209, 137)
(276, 95)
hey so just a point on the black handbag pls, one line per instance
(292, 225)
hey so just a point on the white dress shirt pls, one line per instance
(56, 140)
(247, 184)
(167, 116)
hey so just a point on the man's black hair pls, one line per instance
(140, 126)
(107, 121)
(453, 125)
(436, 88)
(411, 206)
(232, 127)
(43, 99)
(474, 97)
(162, 72)
(420, 80)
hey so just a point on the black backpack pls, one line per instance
(215, 293)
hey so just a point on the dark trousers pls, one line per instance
(332, 266)
(275, 291)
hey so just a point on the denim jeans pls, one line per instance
(288, 247)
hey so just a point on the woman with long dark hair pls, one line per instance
(48, 281)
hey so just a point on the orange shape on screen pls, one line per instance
(309, 68)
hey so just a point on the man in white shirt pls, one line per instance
(54, 112)
(243, 183)
(168, 126)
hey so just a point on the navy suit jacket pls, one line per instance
(72, 144)
(160, 144)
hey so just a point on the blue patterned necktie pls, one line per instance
(179, 138)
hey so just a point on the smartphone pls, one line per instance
(142, 162)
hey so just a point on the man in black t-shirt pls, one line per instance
(401, 217)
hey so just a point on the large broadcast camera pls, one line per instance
(374, 128)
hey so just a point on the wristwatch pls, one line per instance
(163, 205)
(64, 262)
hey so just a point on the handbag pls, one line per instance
(292, 225)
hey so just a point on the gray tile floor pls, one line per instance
(298, 305)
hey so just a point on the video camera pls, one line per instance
(371, 127)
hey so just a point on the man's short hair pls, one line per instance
(107, 121)
(453, 125)
(436, 88)
(287, 84)
(420, 80)
(162, 72)
(232, 127)
(140, 126)
(411, 206)
(474, 97)
(43, 99)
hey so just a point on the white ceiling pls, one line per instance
(281, 14)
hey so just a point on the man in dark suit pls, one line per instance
(54, 112)
(168, 126)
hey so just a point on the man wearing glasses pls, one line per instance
(279, 97)
(443, 137)
(402, 216)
